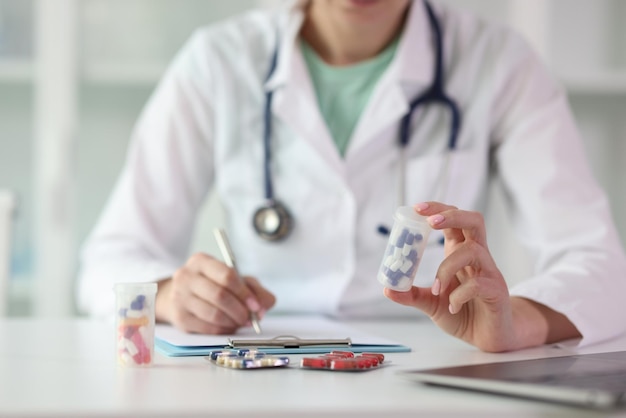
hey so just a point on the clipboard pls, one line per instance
(281, 335)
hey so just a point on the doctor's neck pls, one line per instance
(345, 32)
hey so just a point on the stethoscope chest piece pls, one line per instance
(272, 221)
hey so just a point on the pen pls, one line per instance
(229, 258)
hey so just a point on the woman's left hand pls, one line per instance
(469, 297)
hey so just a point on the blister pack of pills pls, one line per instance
(344, 361)
(246, 359)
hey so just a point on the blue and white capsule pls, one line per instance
(404, 249)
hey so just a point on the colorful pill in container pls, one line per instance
(404, 251)
(134, 323)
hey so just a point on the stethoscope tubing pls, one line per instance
(434, 94)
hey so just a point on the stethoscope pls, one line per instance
(273, 222)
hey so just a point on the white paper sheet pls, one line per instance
(275, 326)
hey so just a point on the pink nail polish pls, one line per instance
(435, 219)
(451, 309)
(421, 206)
(261, 313)
(252, 304)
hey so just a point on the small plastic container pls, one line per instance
(134, 323)
(405, 249)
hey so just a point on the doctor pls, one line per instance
(313, 123)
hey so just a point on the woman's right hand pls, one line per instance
(206, 296)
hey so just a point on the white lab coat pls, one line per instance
(203, 127)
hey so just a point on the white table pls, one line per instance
(66, 368)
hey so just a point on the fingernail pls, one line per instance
(421, 206)
(451, 309)
(252, 304)
(261, 313)
(436, 287)
(435, 219)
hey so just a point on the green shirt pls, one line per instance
(343, 92)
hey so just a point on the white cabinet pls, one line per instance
(74, 75)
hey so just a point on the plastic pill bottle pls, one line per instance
(134, 323)
(404, 250)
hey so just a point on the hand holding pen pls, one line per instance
(205, 296)
(229, 259)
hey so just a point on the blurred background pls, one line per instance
(74, 75)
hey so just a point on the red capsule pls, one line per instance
(370, 361)
(379, 356)
(344, 364)
(315, 362)
(332, 357)
(347, 354)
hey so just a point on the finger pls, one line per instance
(189, 284)
(463, 294)
(188, 322)
(433, 211)
(432, 207)
(212, 314)
(221, 299)
(460, 225)
(225, 276)
(490, 292)
(468, 255)
(266, 298)
(418, 297)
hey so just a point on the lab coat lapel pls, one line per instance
(386, 107)
(296, 105)
(295, 102)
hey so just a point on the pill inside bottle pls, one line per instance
(404, 250)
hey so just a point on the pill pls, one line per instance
(315, 362)
(396, 265)
(343, 353)
(145, 334)
(224, 357)
(213, 354)
(125, 358)
(365, 362)
(246, 359)
(143, 352)
(343, 364)
(136, 313)
(373, 360)
(402, 238)
(134, 321)
(379, 356)
(409, 240)
(137, 304)
(406, 265)
(273, 361)
(130, 347)
(127, 331)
